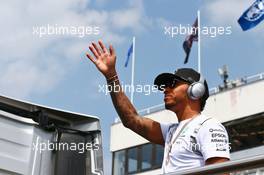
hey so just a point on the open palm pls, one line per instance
(103, 59)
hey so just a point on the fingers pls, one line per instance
(93, 50)
(96, 48)
(102, 46)
(97, 52)
(91, 58)
(112, 50)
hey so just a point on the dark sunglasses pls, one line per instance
(170, 84)
(173, 83)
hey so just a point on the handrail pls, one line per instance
(226, 167)
(151, 109)
(212, 91)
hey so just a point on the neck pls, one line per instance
(186, 114)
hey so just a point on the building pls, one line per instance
(239, 105)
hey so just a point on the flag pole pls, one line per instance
(199, 41)
(133, 71)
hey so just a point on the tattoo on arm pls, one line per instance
(124, 108)
(145, 127)
(121, 103)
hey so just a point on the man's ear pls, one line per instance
(186, 94)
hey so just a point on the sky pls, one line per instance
(52, 70)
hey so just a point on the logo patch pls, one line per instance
(255, 11)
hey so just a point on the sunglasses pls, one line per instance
(174, 82)
(170, 84)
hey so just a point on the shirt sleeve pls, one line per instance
(165, 129)
(213, 140)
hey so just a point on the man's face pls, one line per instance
(176, 97)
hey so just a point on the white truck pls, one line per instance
(38, 140)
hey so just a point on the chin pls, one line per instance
(171, 106)
(168, 106)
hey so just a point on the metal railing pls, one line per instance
(226, 167)
(151, 109)
(212, 91)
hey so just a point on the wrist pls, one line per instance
(110, 75)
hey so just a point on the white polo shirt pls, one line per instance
(200, 138)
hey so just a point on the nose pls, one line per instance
(167, 90)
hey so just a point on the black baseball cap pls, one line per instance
(187, 75)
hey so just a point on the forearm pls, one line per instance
(122, 104)
(105, 61)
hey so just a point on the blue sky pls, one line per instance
(53, 70)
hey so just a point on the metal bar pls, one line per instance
(150, 108)
(133, 70)
(254, 77)
(226, 167)
(212, 91)
(199, 41)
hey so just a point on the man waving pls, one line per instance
(195, 141)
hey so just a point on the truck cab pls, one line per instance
(39, 140)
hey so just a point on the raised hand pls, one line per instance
(103, 59)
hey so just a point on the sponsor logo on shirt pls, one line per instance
(216, 130)
(220, 135)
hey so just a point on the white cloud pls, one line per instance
(21, 77)
(30, 64)
(133, 18)
(163, 22)
(224, 12)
